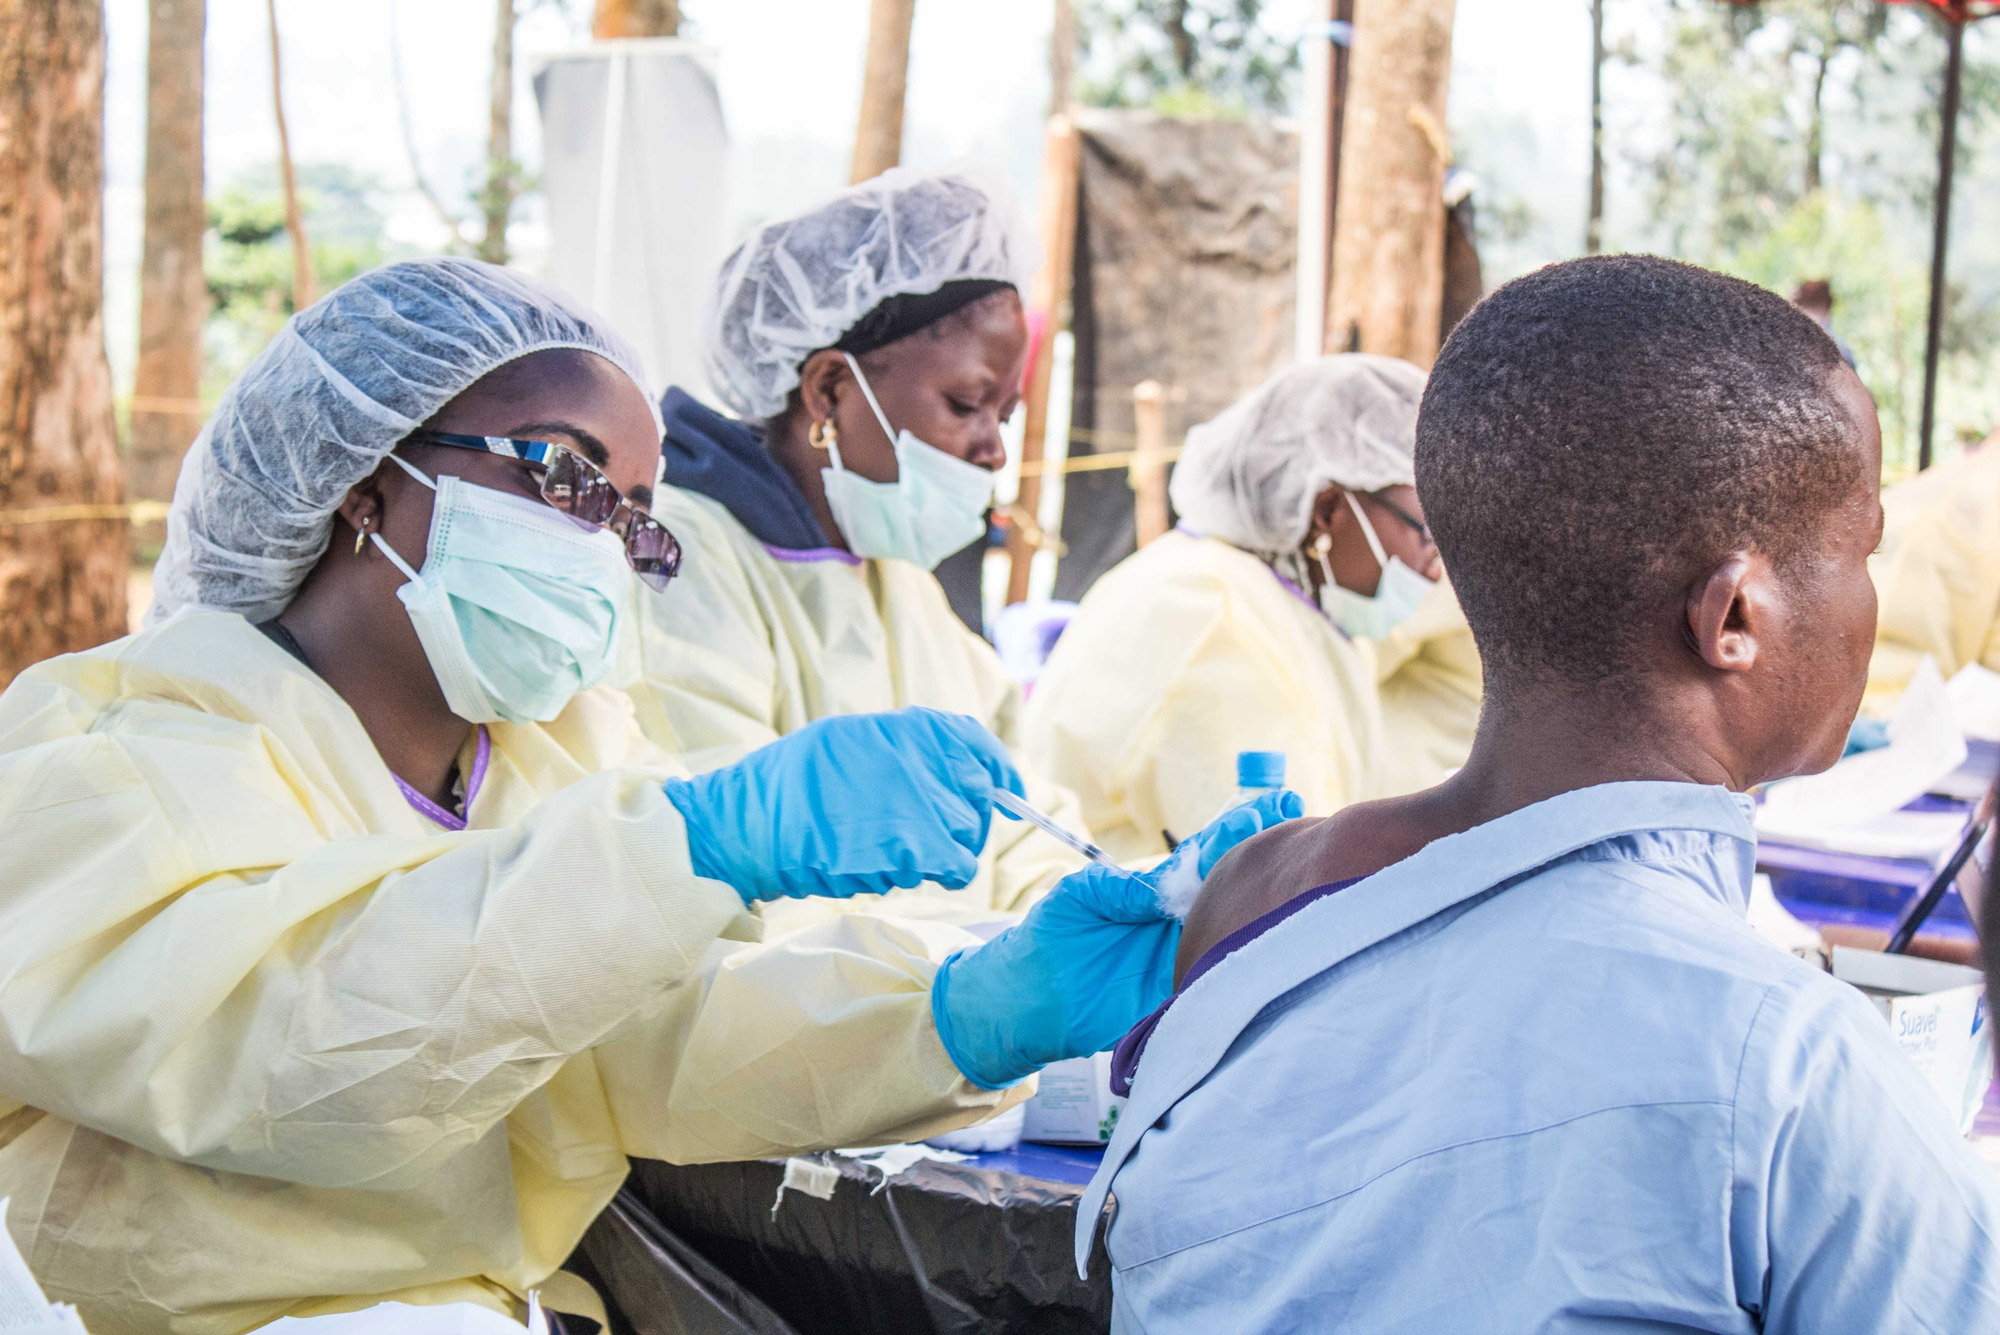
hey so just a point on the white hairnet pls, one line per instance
(796, 285)
(1249, 475)
(316, 411)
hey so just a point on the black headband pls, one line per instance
(907, 312)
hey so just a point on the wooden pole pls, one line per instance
(1062, 57)
(1388, 240)
(878, 138)
(1593, 227)
(1149, 463)
(61, 582)
(1325, 45)
(173, 291)
(497, 200)
(1047, 313)
(1941, 230)
(304, 289)
(612, 19)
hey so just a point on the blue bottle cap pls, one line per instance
(1260, 769)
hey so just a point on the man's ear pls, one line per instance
(820, 383)
(1731, 610)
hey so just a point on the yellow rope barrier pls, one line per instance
(1091, 463)
(138, 512)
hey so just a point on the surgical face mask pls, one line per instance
(517, 607)
(1397, 593)
(936, 505)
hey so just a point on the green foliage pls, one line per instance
(1882, 305)
(1205, 58)
(247, 254)
(1800, 142)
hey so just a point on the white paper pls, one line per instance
(1775, 923)
(23, 1305)
(1975, 699)
(406, 1319)
(1857, 805)
(817, 1180)
(892, 1161)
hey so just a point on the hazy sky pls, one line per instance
(790, 78)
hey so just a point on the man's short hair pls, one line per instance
(1599, 434)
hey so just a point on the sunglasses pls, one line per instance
(578, 489)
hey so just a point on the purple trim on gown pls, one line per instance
(1125, 1057)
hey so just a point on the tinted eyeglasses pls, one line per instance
(1423, 530)
(579, 490)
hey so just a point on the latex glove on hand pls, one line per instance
(1092, 959)
(854, 805)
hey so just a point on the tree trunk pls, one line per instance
(878, 139)
(1062, 57)
(1180, 38)
(497, 200)
(1388, 243)
(1593, 229)
(304, 288)
(635, 18)
(62, 582)
(173, 295)
(1816, 129)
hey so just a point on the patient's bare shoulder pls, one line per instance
(1263, 873)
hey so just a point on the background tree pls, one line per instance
(1185, 56)
(173, 296)
(63, 565)
(635, 18)
(1799, 141)
(503, 174)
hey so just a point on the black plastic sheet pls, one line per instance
(943, 1247)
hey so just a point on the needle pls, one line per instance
(1007, 802)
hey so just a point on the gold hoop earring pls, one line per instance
(360, 536)
(822, 436)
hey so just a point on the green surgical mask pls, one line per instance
(936, 505)
(517, 607)
(1398, 592)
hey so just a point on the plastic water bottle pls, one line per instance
(1257, 773)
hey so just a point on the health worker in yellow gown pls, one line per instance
(1300, 577)
(870, 347)
(351, 935)
(1937, 579)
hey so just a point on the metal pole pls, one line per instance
(1593, 228)
(1947, 151)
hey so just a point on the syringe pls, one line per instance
(1006, 801)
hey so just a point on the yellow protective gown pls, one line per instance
(1432, 687)
(1939, 589)
(272, 1043)
(1182, 655)
(746, 646)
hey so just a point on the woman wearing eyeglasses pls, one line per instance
(1301, 576)
(351, 936)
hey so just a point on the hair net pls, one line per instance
(316, 411)
(1249, 475)
(796, 285)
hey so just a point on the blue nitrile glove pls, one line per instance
(1088, 962)
(1866, 734)
(859, 804)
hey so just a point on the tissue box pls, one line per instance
(1937, 1012)
(1074, 1105)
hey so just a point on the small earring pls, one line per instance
(1323, 545)
(822, 435)
(360, 536)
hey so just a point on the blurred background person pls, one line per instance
(1300, 570)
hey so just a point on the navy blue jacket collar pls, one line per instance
(725, 460)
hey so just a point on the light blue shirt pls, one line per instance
(1542, 1076)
